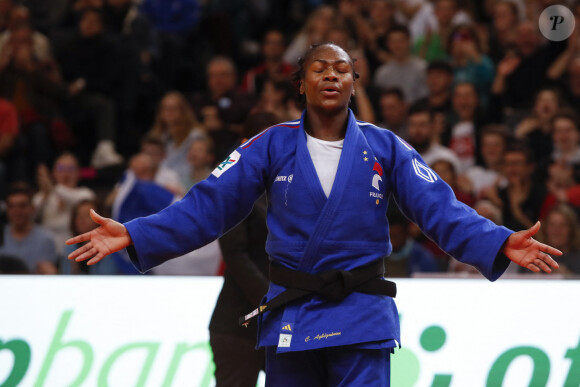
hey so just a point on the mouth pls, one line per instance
(330, 91)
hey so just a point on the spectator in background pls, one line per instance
(80, 221)
(489, 174)
(393, 111)
(314, 31)
(201, 158)
(562, 231)
(422, 136)
(445, 168)
(522, 72)
(469, 63)
(439, 81)
(9, 129)
(222, 108)
(464, 123)
(23, 238)
(177, 126)
(536, 128)
(155, 148)
(402, 69)
(408, 256)
(58, 195)
(566, 140)
(20, 17)
(433, 44)
(277, 97)
(90, 66)
(522, 198)
(273, 67)
(36, 88)
(380, 20)
(502, 31)
(245, 282)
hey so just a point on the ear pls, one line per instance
(301, 89)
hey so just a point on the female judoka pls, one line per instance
(329, 317)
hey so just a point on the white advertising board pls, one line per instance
(153, 331)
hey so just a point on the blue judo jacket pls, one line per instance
(312, 233)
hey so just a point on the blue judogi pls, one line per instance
(312, 233)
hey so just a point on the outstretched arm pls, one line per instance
(110, 237)
(524, 250)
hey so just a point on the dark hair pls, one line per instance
(442, 65)
(420, 108)
(512, 6)
(569, 114)
(395, 91)
(399, 28)
(518, 146)
(471, 32)
(500, 130)
(20, 188)
(299, 74)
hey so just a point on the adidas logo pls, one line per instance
(287, 328)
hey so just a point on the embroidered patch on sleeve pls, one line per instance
(229, 162)
(284, 341)
(424, 172)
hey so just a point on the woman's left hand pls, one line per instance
(524, 250)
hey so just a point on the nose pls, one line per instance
(330, 74)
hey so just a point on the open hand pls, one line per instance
(110, 237)
(524, 250)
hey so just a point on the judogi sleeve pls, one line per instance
(430, 203)
(207, 211)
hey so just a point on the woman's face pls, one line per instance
(546, 105)
(328, 82)
(557, 230)
(170, 109)
(565, 135)
(66, 171)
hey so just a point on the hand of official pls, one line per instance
(524, 250)
(110, 237)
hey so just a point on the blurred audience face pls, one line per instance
(517, 169)
(65, 170)
(446, 171)
(465, 101)
(558, 232)
(445, 11)
(492, 149)
(565, 135)
(142, 166)
(155, 151)
(82, 221)
(273, 46)
(399, 44)
(91, 24)
(171, 109)
(527, 38)
(393, 110)
(438, 81)
(19, 211)
(420, 131)
(381, 12)
(200, 155)
(504, 17)
(546, 105)
(221, 77)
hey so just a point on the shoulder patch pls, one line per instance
(229, 162)
(424, 172)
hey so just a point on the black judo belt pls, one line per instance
(334, 285)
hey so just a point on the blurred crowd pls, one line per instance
(124, 105)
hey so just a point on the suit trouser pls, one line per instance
(326, 367)
(237, 361)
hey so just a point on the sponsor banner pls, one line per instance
(153, 331)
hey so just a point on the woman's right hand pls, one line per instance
(109, 237)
